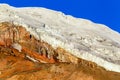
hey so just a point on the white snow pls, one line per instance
(17, 46)
(32, 59)
(82, 38)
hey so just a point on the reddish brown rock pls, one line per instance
(33, 61)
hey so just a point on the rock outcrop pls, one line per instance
(22, 57)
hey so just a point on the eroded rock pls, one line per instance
(23, 57)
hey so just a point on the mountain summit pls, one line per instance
(38, 32)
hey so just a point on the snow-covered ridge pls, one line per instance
(82, 38)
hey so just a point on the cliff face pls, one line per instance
(22, 57)
(31, 37)
(18, 39)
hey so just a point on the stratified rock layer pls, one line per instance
(18, 39)
(22, 57)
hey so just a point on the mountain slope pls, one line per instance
(82, 38)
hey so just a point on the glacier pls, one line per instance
(82, 38)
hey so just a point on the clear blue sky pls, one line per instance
(100, 11)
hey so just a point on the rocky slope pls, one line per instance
(22, 57)
(34, 41)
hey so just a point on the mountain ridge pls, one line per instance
(80, 37)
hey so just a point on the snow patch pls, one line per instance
(32, 59)
(17, 46)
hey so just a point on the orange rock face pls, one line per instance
(22, 57)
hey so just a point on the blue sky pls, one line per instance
(100, 11)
